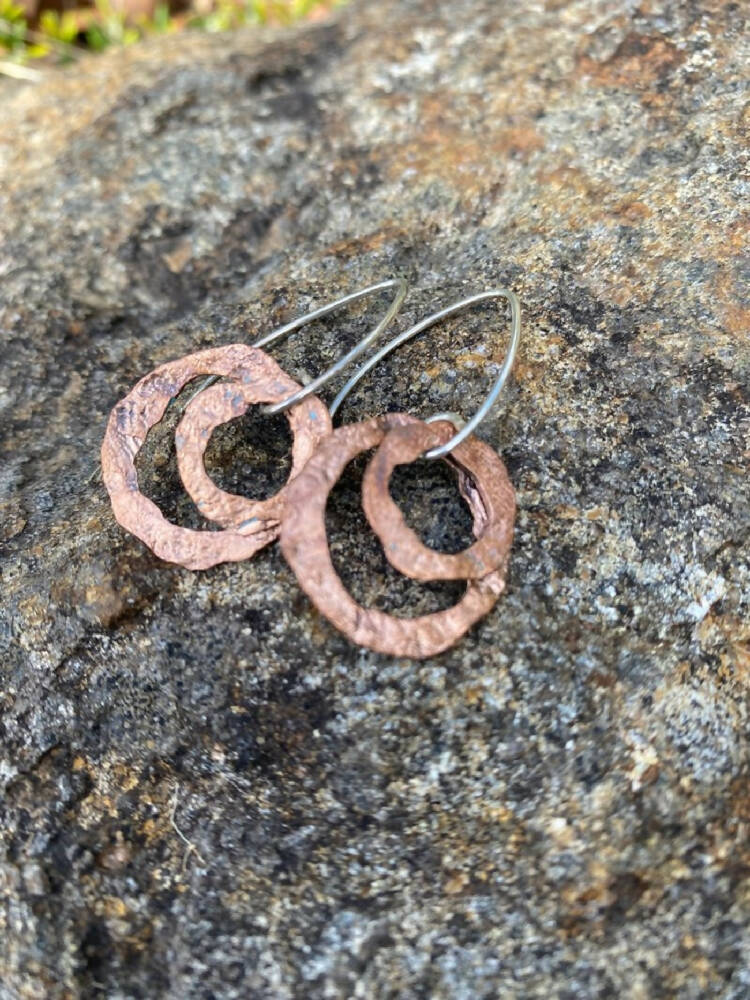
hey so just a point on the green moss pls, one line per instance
(60, 37)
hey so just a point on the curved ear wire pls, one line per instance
(401, 288)
(515, 336)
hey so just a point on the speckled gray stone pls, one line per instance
(207, 792)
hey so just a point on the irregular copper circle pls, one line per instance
(480, 470)
(309, 421)
(305, 546)
(130, 422)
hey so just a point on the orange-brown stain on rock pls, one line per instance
(466, 155)
(640, 63)
(733, 311)
(369, 242)
(734, 314)
(632, 211)
(575, 196)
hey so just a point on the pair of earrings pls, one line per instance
(296, 513)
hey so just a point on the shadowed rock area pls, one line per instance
(206, 791)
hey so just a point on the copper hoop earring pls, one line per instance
(214, 405)
(400, 438)
(254, 377)
(305, 547)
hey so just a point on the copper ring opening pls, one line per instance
(309, 421)
(305, 546)
(480, 471)
(129, 423)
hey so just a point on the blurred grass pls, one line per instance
(59, 36)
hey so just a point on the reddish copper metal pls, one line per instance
(130, 422)
(265, 383)
(305, 546)
(480, 472)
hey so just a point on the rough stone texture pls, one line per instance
(557, 808)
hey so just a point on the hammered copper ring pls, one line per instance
(480, 468)
(309, 421)
(305, 546)
(129, 423)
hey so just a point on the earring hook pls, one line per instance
(481, 413)
(401, 288)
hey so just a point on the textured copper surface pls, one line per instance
(480, 472)
(263, 382)
(130, 422)
(305, 546)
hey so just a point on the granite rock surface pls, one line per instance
(206, 791)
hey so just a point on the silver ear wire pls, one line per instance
(401, 288)
(468, 426)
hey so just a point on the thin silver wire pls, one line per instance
(295, 324)
(469, 426)
(401, 288)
